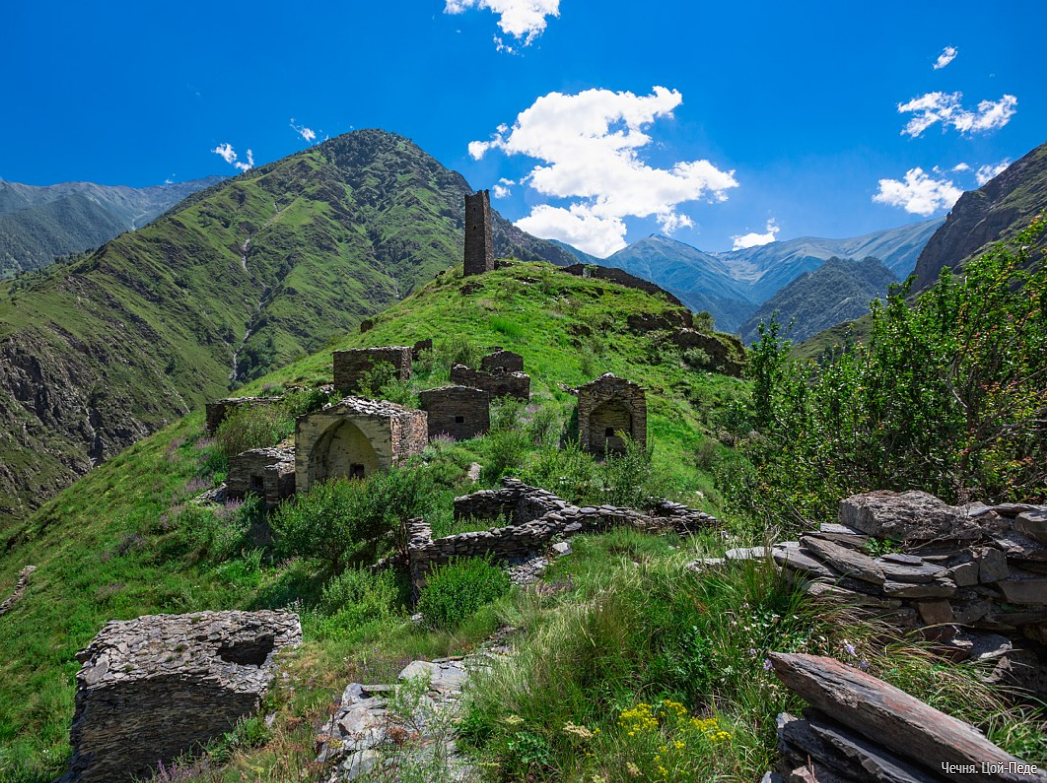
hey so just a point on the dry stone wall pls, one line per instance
(860, 728)
(154, 688)
(536, 517)
(459, 412)
(609, 409)
(511, 384)
(502, 361)
(351, 367)
(219, 410)
(627, 280)
(266, 472)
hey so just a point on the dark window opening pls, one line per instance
(257, 484)
(609, 432)
(356, 471)
(249, 652)
(459, 419)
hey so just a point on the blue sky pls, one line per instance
(709, 122)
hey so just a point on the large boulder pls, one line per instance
(907, 516)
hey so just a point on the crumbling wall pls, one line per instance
(501, 361)
(624, 279)
(459, 412)
(512, 384)
(610, 409)
(154, 688)
(265, 472)
(219, 410)
(351, 367)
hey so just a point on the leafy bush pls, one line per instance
(356, 597)
(946, 395)
(458, 350)
(569, 472)
(456, 590)
(504, 452)
(628, 478)
(545, 426)
(507, 326)
(506, 414)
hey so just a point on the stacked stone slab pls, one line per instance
(971, 578)
(861, 729)
(352, 367)
(459, 412)
(219, 410)
(420, 346)
(498, 384)
(354, 438)
(502, 361)
(154, 688)
(479, 239)
(609, 410)
(533, 517)
(265, 472)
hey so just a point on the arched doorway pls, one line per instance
(343, 452)
(609, 425)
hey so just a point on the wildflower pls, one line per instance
(767, 664)
(863, 665)
(512, 720)
(578, 731)
(751, 651)
(849, 648)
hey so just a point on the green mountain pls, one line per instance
(39, 223)
(119, 542)
(997, 211)
(839, 290)
(238, 279)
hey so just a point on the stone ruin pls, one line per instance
(533, 518)
(502, 361)
(351, 367)
(355, 438)
(625, 280)
(609, 410)
(498, 377)
(726, 353)
(460, 412)
(152, 689)
(219, 410)
(479, 239)
(265, 472)
(421, 345)
(859, 728)
(970, 579)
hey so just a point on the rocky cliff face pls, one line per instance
(996, 211)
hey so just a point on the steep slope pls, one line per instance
(837, 291)
(996, 211)
(39, 223)
(114, 545)
(238, 279)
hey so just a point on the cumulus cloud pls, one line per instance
(946, 108)
(947, 56)
(918, 194)
(228, 154)
(754, 239)
(503, 189)
(306, 133)
(986, 173)
(961, 167)
(524, 20)
(588, 146)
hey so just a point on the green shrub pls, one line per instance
(456, 590)
(504, 452)
(629, 479)
(569, 472)
(458, 350)
(507, 327)
(545, 426)
(356, 597)
(253, 428)
(506, 414)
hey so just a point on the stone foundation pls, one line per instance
(609, 410)
(351, 367)
(457, 411)
(154, 688)
(513, 384)
(265, 472)
(354, 438)
(501, 361)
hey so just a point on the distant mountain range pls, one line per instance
(733, 285)
(839, 290)
(39, 223)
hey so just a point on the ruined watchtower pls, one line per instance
(479, 242)
(609, 409)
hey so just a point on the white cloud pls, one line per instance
(503, 189)
(525, 20)
(228, 154)
(946, 108)
(961, 167)
(588, 146)
(919, 194)
(986, 173)
(947, 56)
(755, 240)
(306, 133)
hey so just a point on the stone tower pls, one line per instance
(479, 243)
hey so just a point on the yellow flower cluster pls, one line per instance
(640, 718)
(710, 728)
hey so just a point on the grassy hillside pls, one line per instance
(125, 540)
(238, 279)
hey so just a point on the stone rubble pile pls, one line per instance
(859, 729)
(20, 587)
(159, 686)
(971, 578)
(535, 517)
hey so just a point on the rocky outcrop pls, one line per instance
(154, 688)
(627, 280)
(20, 586)
(726, 352)
(862, 729)
(998, 210)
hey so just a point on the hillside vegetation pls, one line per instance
(238, 279)
(126, 539)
